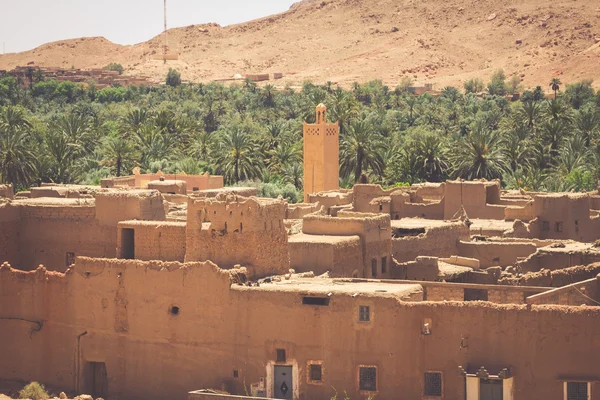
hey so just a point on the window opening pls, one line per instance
(577, 391)
(235, 373)
(315, 301)
(174, 310)
(368, 379)
(364, 313)
(383, 265)
(374, 268)
(558, 226)
(433, 384)
(545, 226)
(281, 356)
(316, 372)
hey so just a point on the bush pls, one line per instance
(473, 86)
(34, 391)
(115, 67)
(173, 78)
(498, 84)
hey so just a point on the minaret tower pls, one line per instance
(321, 154)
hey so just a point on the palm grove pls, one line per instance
(66, 133)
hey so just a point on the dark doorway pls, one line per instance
(96, 379)
(283, 382)
(490, 389)
(128, 244)
(476, 295)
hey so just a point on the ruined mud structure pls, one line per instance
(455, 290)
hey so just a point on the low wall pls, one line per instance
(436, 242)
(575, 294)
(162, 240)
(495, 254)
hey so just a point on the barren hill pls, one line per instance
(444, 42)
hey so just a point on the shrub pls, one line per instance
(115, 67)
(473, 86)
(34, 391)
(173, 78)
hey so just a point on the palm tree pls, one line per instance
(555, 85)
(479, 155)
(360, 150)
(283, 155)
(293, 174)
(17, 158)
(117, 153)
(237, 155)
(431, 155)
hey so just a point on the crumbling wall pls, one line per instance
(422, 269)
(439, 241)
(556, 278)
(553, 259)
(230, 230)
(297, 211)
(563, 216)
(496, 253)
(523, 213)
(154, 240)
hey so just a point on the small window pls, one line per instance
(380, 207)
(374, 268)
(281, 357)
(383, 265)
(577, 391)
(558, 226)
(236, 374)
(545, 226)
(364, 313)
(174, 311)
(195, 189)
(315, 372)
(367, 379)
(433, 384)
(315, 301)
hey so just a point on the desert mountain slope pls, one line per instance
(444, 42)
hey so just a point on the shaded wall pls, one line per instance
(99, 313)
(436, 241)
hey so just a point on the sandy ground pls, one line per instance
(344, 41)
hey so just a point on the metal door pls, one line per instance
(490, 389)
(283, 382)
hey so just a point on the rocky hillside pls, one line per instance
(444, 42)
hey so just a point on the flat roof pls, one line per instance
(55, 201)
(306, 238)
(324, 286)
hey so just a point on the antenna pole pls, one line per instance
(165, 50)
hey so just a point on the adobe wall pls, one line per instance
(473, 197)
(163, 240)
(297, 211)
(496, 253)
(436, 241)
(231, 230)
(523, 213)
(373, 229)
(9, 234)
(320, 254)
(554, 260)
(575, 294)
(363, 194)
(422, 269)
(122, 181)
(7, 191)
(563, 216)
(557, 278)
(115, 206)
(47, 232)
(102, 311)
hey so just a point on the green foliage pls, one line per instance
(34, 391)
(65, 132)
(115, 67)
(473, 86)
(173, 78)
(497, 85)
